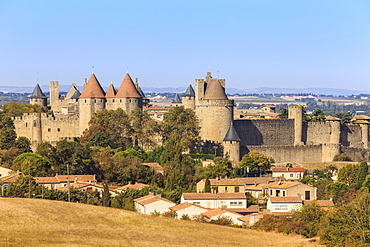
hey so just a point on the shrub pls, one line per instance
(342, 157)
(170, 214)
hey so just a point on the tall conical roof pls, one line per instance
(111, 92)
(127, 89)
(37, 93)
(189, 91)
(215, 90)
(176, 99)
(231, 134)
(93, 89)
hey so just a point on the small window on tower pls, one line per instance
(58, 129)
(49, 130)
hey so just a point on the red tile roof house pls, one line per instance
(323, 204)
(151, 204)
(290, 188)
(219, 200)
(288, 173)
(216, 213)
(89, 187)
(284, 204)
(60, 181)
(136, 186)
(188, 209)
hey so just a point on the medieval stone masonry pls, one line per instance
(286, 140)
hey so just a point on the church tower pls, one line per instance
(91, 100)
(213, 108)
(38, 97)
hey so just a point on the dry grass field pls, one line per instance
(35, 222)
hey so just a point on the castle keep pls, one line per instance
(286, 140)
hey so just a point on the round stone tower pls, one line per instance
(231, 145)
(91, 100)
(36, 137)
(188, 98)
(128, 98)
(213, 108)
(296, 112)
(38, 97)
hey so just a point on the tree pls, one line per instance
(23, 144)
(283, 113)
(16, 109)
(182, 125)
(337, 191)
(207, 186)
(116, 124)
(106, 196)
(220, 168)
(361, 175)
(348, 225)
(92, 130)
(348, 174)
(342, 157)
(256, 162)
(311, 215)
(317, 116)
(144, 128)
(39, 166)
(345, 117)
(7, 132)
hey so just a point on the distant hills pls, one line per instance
(259, 90)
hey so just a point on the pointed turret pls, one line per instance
(215, 90)
(38, 97)
(37, 93)
(76, 95)
(231, 134)
(93, 89)
(111, 92)
(189, 92)
(127, 89)
(176, 100)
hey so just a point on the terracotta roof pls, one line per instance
(137, 186)
(360, 121)
(269, 106)
(256, 187)
(217, 211)
(11, 178)
(286, 199)
(37, 93)
(285, 184)
(215, 90)
(78, 178)
(227, 181)
(206, 196)
(46, 180)
(362, 117)
(295, 169)
(257, 180)
(253, 208)
(231, 134)
(150, 199)
(184, 205)
(244, 218)
(111, 92)
(93, 89)
(127, 89)
(154, 165)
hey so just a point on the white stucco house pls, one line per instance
(5, 172)
(219, 200)
(188, 209)
(284, 204)
(151, 204)
(216, 213)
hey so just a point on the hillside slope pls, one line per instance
(35, 222)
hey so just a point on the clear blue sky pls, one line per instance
(252, 43)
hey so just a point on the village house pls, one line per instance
(88, 187)
(5, 172)
(217, 213)
(323, 204)
(135, 186)
(288, 173)
(152, 204)
(219, 200)
(284, 204)
(157, 168)
(188, 209)
(59, 181)
(233, 185)
(291, 189)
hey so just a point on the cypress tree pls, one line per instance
(361, 175)
(207, 186)
(106, 196)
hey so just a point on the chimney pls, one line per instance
(137, 83)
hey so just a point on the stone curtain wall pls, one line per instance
(351, 135)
